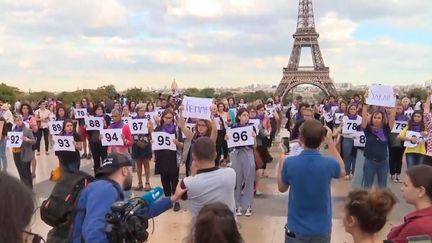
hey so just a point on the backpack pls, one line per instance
(58, 209)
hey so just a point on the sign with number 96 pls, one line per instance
(240, 136)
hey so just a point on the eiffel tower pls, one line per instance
(306, 36)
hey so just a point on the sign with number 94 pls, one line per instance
(163, 141)
(112, 137)
(240, 136)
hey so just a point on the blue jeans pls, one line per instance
(372, 168)
(3, 165)
(358, 178)
(307, 238)
(347, 147)
(413, 159)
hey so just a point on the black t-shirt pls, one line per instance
(67, 156)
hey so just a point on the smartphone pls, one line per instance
(419, 239)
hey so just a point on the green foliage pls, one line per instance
(417, 92)
(138, 94)
(8, 93)
(194, 92)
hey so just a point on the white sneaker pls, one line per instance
(238, 212)
(248, 212)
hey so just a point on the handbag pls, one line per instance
(259, 163)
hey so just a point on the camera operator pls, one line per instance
(95, 201)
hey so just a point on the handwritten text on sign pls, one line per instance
(163, 141)
(80, 113)
(381, 95)
(197, 107)
(410, 135)
(63, 143)
(359, 139)
(350, 126)
(94, 123)
(139, 126)
(112, 137)
(240, 136)
(55, 127)
(399, 126)
(14, 139)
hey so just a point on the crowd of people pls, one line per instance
(336, 138)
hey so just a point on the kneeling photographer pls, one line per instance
(100, 207)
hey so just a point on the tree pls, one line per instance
(8, 93)
(417, 92)
(194, 92)
(207, 93)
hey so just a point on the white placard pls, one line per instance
(408, 113)
(55, 127)
(52, 117)
(256, 123)
(243, 105)
(338, 118)
(80, 113)
(149, 115)
(112, 137)
(94, 123)
(295, 149)
(139, 126)
(63, 143)
(350, 126)
(163, 141)
(409, 135)
(359, 139)
(191, 127)
(269, 112)
(197, 107)
(399, 126)
(381, 95)
(328, 116)
(334, 108)
(240, 136)
(14, 139)
(126, 120)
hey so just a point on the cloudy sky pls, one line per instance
(65, 45)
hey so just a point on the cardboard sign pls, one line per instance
(338, 118)
(94, 123)
(399, 126)
(80, 113)
(139, 126)
(163, 141)
(381, 95)
(269, 112)
(63, 143)
(328, 116)
(112, 137)
(126, 120)
(412, 134)
(256, 123)
(359, 139)
(240, 136)
(408, 113)
(295, 149)
(14, 139)
(350, 126)
(55, 127)
(197, 107)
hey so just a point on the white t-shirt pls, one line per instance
(45, 114)
(210, 186)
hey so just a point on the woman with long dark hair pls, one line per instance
(415, 155)
(30, 120)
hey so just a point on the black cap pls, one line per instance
(112, 163)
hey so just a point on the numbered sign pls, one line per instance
(359, 139)
(63, 143)
(408, 113)
(334, 109)
(399, 126)
(328, 116)
(55, 127)
(256, 123)
(295, 149)
(149, 115)
(410, 135)
(159, 112)
(139, 126)
(14, 139)
(338, 118)
(94, 123)
(163, 141)
(52, 117)
(112, 137)
(269, 112)
(80, 113)
(240, 136)
(191, 127)
(350, 126)
(127, 120)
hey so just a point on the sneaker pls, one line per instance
(89, 156)
(176, 207)
(248, 212)
(398, 179)
(84, 156)
(238, 212)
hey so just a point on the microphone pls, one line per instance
(153, 195)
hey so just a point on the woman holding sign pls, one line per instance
(377, 131)
(396, 146)
(42, 117)
(23, 155)
(125, 136)
(414, 155)
(69, 160)
(99, 152)
(30, 120)
(221, 144)
(349, 126)
(84, 104)
(3, 138)
(166, 160)
(243, 163)
(427, 116)
(141, 149)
